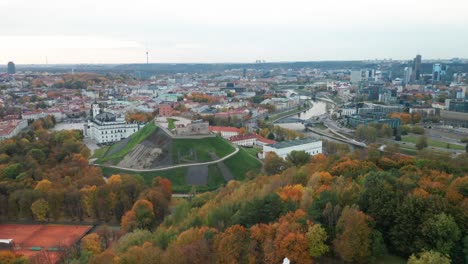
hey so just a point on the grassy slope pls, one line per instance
(432, 143)
(177, 178)
(100, 153)
(241, 163)
(202, 147)
(134, 140)
(171, 123)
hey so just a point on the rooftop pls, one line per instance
(224, 128)
(292, 143)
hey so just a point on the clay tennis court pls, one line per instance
(30, 240)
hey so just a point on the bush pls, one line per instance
(418, 130)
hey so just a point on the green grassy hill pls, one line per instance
(180, 151)
(116, 152)
(238, 164)
(198, 150)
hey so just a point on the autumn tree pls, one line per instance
(9, 257)
(273, 164)
(261, 248)
(40, 208)
(43, 186)
(91, 243)
(317, 237)
(353, 242)
(429, 257)
(231, 245)
(404, 117)
(140, 216)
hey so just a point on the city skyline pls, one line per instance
(212, 32)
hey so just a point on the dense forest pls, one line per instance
(46, 176)
(355, 207)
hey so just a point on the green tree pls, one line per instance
(298, 158)
(441, 233)
(385, 131)
(418, 130)
(317, 235)
(366, 133)
(274, 164)
(428, 257)
(422, 142)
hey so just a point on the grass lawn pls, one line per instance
(215, 176)
(241, 163)
(253, 151)
(171, 123)
(176, 176)
(198, 150)
(320, 126)
(134, 140)
(433, 143)
(100, 153)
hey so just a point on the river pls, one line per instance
(318, 108)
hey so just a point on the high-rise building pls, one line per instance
(438, 72)
(407, 75)
(436, 68)
(11, 68)
(362, 76)
(416, 75)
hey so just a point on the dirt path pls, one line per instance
(174, 166)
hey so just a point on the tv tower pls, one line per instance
(147, 58)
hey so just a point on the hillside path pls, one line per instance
(174, 166)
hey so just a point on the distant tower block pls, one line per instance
(11, 68)
(147, 58)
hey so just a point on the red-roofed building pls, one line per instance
(226, 132)
(165, 110)
(263, 141)
(11, 128)
(244, 140)
(250, 140)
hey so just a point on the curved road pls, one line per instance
(175, 166)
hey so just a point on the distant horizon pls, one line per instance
(231, 62)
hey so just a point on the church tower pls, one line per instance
(96, 110)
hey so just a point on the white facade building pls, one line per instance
(282, 149)
(106, 127)
(225, 132)
(244, 140)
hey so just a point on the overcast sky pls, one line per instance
(117, 31)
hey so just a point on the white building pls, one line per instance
(106, 127)
(282, 149)
(244, 140)
(362, 76)
(225, 132)
(348, 111)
